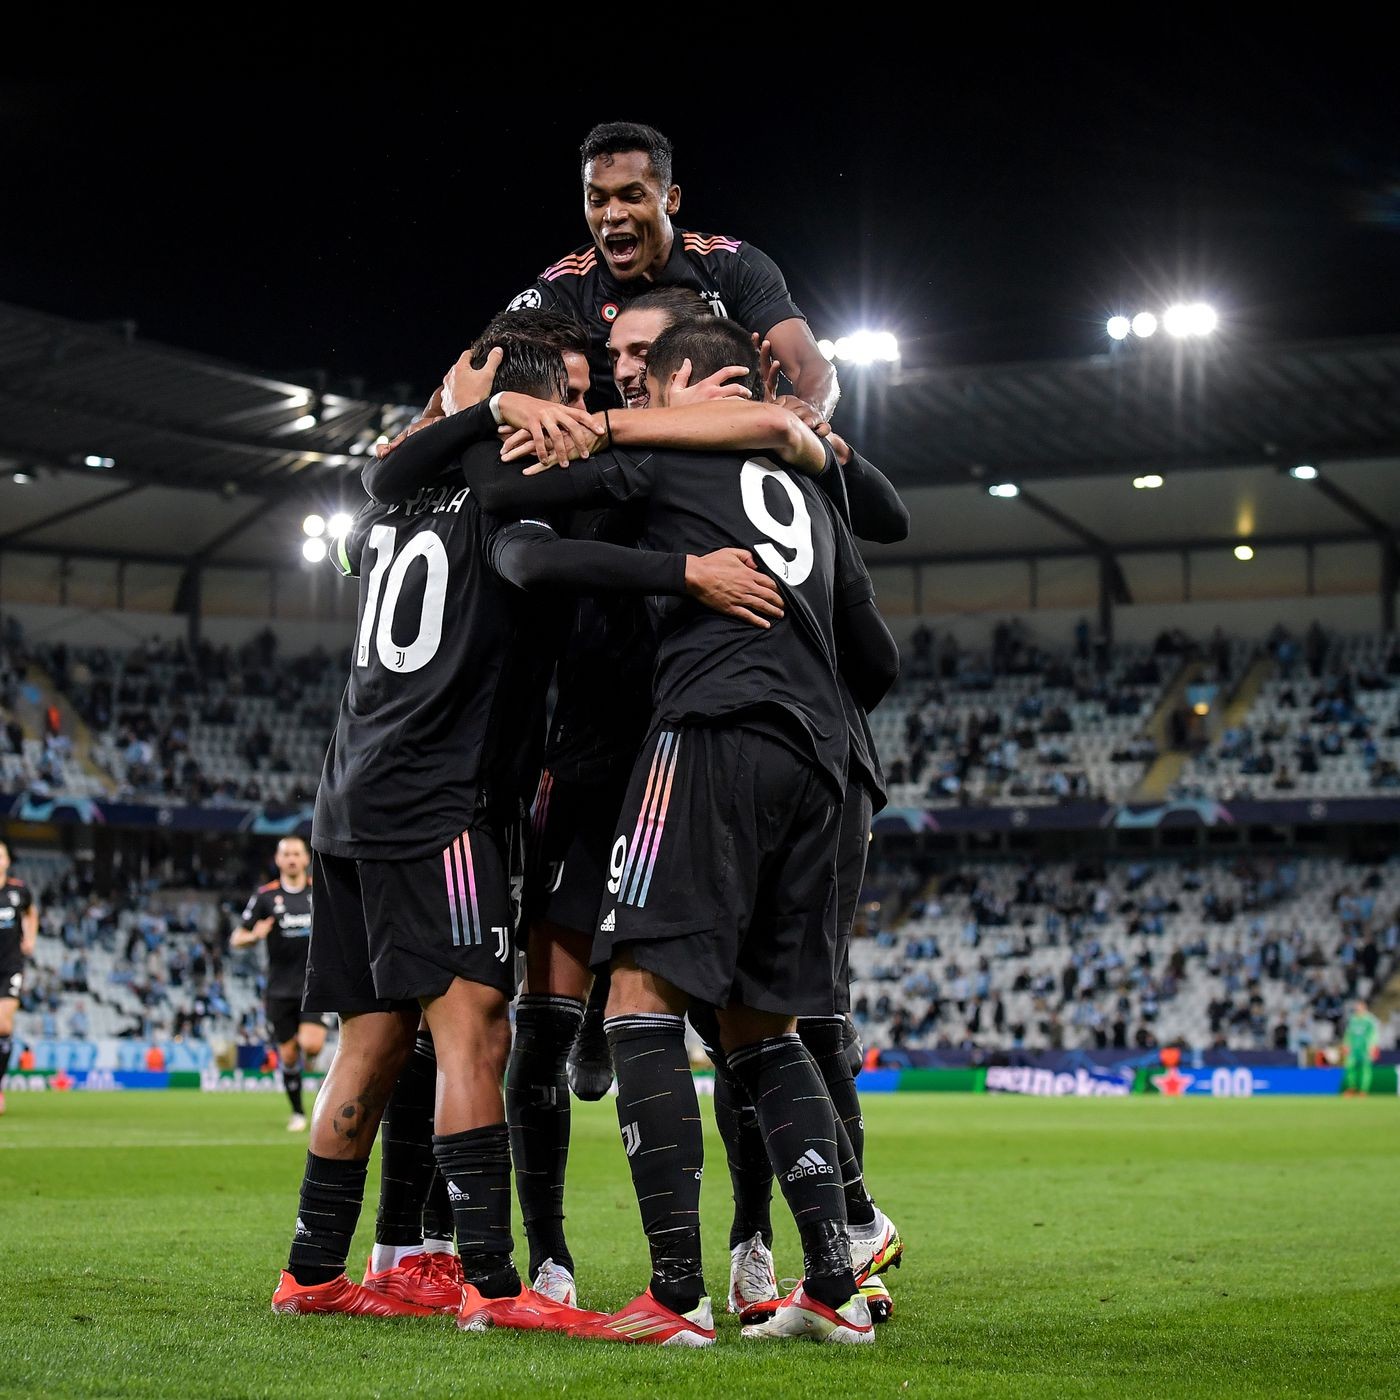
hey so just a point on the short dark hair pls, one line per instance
(680, 303)
(527, 367)
(558, 330)
(709, 343)
(613, 138)
(296, 836)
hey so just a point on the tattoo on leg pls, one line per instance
(351, 1117)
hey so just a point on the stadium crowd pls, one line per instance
(1245, 954)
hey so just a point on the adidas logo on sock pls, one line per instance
(609, 925)
(455, 1192)
(301, 1229)
(810, 1163)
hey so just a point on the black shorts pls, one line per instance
(853, 844)
(722, 875)
(12, 980)
(388, 933)
(570, 834)
(285, 1014)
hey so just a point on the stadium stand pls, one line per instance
(205, 726)
(1247, 953)
(149, 963)
(1323, 724)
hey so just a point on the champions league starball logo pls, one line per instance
(526, 301)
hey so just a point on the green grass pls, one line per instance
(1109, 1247)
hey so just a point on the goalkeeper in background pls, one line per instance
(1362, 1045)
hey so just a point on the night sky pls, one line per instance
(988, 204)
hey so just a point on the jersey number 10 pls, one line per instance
(428, 547)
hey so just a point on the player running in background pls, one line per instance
(19, 931)
(279, 914)
(723, 868)
(413, 843)
(1362, 1041)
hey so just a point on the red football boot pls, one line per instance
(416, 1278)
(645, 1321)
(528, 1311)
(340, 1296)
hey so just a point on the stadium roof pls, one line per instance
(1162, 405)
(202, 452)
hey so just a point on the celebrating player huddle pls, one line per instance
(690, 823)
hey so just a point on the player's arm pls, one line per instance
(864, 496)
(723, 425)
(418, 461)
(866, 652)
(531, 555)
(765, 306)
(245, 937)
(29, 930)
(811, 374)
(501, 489)
(719, 425)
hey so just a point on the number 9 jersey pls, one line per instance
(448, 670)
(711, 668)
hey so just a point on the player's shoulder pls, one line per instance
(709, 245)
(11, 883)
(269, 887)
(577, 264)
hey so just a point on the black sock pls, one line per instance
(7, 1046)
(750, 1171)
(825, 1037)
(799, 1127)
(539, 1113)
(291, 1082)
(659, 1115)
(406, 1161)
(476, 1167)
(332, 1192)
(438, 1223)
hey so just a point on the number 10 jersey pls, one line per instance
(448, 669)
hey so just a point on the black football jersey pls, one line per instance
(737, 279)
(447, 680)
(289, 937)
(711, 668)
(602, 701)
(15, 902)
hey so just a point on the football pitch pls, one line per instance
(1064, 1247)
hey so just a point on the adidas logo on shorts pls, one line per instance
(609, 925)
(810, 1163)
(455, 1192)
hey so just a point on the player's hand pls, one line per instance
(730, 582)
(557, 434)
(769, 367)
(716, 386)
(839, 446)
(806, 413)
(431, 414)
(465, 386)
